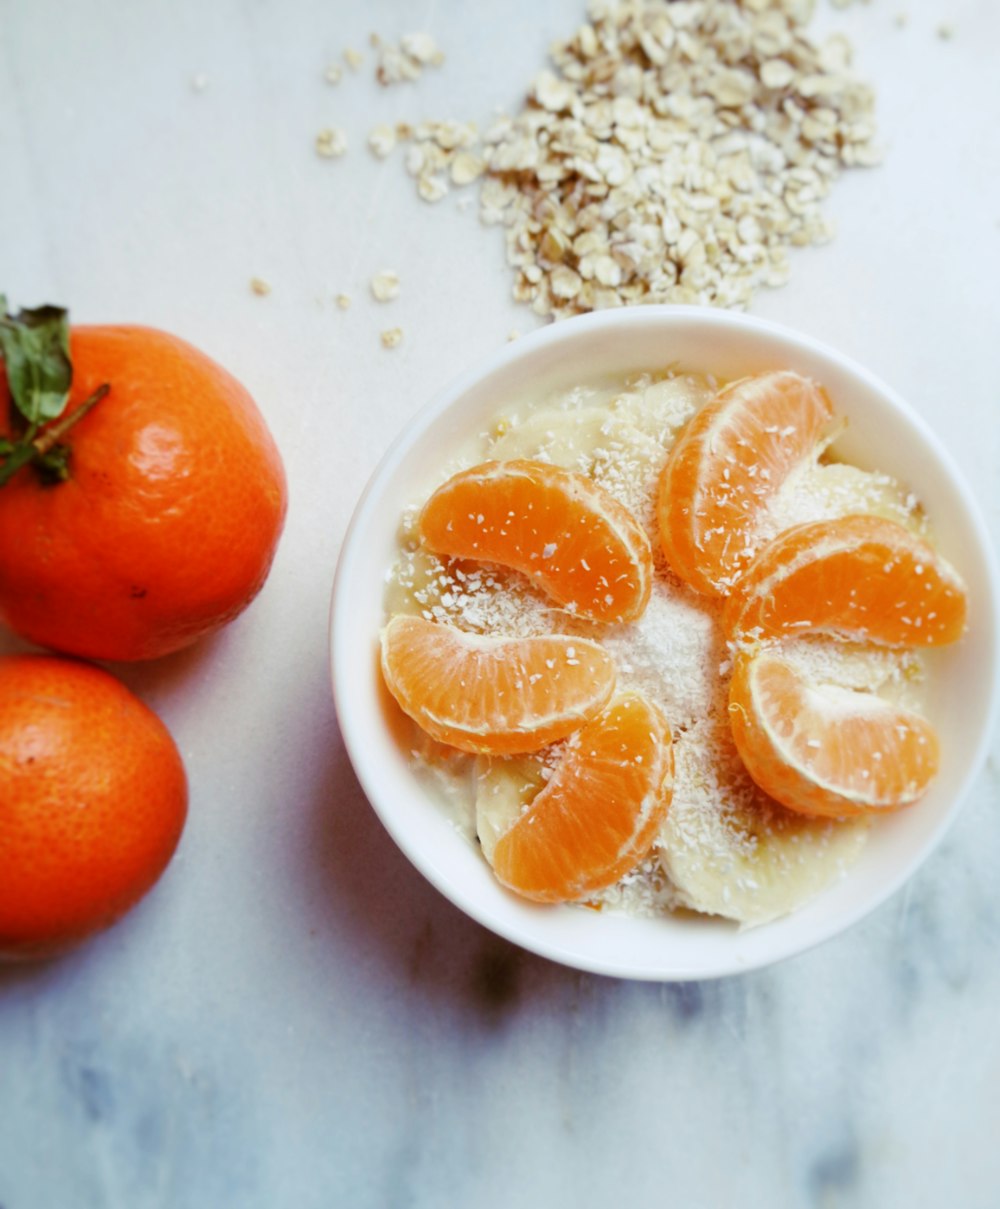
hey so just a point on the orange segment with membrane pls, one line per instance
(493, 695)
(824, 750)
(726, 465)
(860, 577)
(571, 538)
(598, 814)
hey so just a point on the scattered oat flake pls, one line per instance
(466, 167)
(333, 73)
(353, 58)
(382, 140)
(385, 286)
(260, 287)
(945, 32)
(392, 337)
(331, 142)
(406, 61)
(343, 301)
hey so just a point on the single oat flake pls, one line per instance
(331, 142)
(392, 337)
(385, 285)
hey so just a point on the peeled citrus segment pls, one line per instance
(859, 577)
(567, 535)
(494, 695)
(821, 749)
(598, 814)
(725, 467)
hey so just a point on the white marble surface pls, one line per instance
(294, 1017)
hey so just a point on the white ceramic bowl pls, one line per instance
(883, 433)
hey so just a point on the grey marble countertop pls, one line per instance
(295, 1017)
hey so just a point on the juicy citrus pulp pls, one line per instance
(860, 577)
(489, 694)
(727, 463)
(570, 537)
(599, 813)
(821, 749)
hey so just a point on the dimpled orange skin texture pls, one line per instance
(169, 522)
(728, 462)
(492, 695)
(93, 798)
(565, 533)
(861, 577)
(826, 751)
(600, 811)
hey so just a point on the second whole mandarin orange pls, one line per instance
(93, 800)
(168, 523)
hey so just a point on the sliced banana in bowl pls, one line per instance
(729, 850)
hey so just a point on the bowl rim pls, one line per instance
(443, 400)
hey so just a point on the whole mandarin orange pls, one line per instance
(93, 799)
(168, 523)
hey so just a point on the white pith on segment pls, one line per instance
(874, 546)
(577, 779)
(828, 704)
(619, 530)
(743, 397)
(469, 657)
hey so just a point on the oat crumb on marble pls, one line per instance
(260, 287)
(343, 301)
(407, 60)
(382, 140)
(391, 337)
(385, 285)
(353, 58)
(945, 31)
(331, 142)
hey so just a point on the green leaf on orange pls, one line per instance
(35, 348)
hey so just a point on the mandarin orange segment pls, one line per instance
(859, 577)
(497, 696)
(728, 462)
(571, 538)
(824, 750)
(598, 814)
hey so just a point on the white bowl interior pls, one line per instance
(883, 433)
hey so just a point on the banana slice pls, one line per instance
(566, 437)
(661, 409)
(829, 490)
(504, 787)
(730, 851)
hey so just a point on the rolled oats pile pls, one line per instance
(674, 153)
